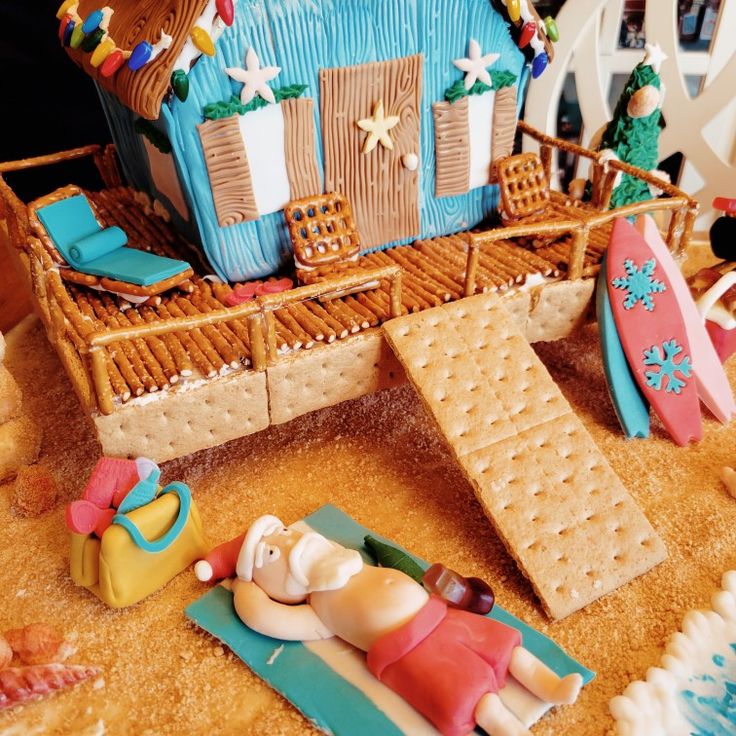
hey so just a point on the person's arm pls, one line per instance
(278, 620)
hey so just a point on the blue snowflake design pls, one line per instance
(639, 284)
(668, 368)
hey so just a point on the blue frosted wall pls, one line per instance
(302, 37)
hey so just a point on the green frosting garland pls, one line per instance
(499, 79)
(155, 136)
(634, 140)
(233, 106)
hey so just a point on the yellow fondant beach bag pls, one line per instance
(141, 550)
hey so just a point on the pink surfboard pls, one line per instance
(652, 332)
(711, 380)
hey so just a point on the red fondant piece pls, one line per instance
(112, 63)
(725, 204)
(527, 34)
(226, 11)
(220, 562)
(83, 517)
(241, 294)
(111, 477)
(274, 287)
(642, 330)
(443, 661)
(724, 341)
(62, 26)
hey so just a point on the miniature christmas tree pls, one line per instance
(632, 136)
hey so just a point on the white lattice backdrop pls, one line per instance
(702, 128)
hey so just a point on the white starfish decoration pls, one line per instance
(255, 78)
(655, 56)
(475, 66)
(378, 127)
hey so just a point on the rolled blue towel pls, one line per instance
(96, 245)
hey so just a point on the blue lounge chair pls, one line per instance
(91, 249)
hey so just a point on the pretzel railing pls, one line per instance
(684, 209)
(362, 277)
(259, 315)
(14, 210)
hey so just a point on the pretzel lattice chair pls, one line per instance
(324, 237)
(526, 197)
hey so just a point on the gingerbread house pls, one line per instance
(230, 122)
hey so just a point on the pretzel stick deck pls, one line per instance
(174, 345)
(128, 347)
(228, 330)
(210, 303)
(209, 333)
(546, 488)
(117, 351)
(200, 350)
(149, 348)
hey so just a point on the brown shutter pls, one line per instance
(452, 148)
(229, 173)
(300, 148)
(504, 127)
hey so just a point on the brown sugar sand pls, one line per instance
(380, 460)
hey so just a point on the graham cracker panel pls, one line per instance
(228, 171)
(548, 490)
(559, 309)
(543, 483)
(300, 148)
(518, 306)
(187, 418)
(476, 371)
(452, 148)
(329, 374)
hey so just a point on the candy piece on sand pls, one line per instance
(20, 443)
(220, 562)
(35, 643)
(6, 653)
(83, 517)
(111, 476)
(728, 476)
(10, 396)
(35, 491)
(21, 684)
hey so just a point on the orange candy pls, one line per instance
(35, 643)
(35, 491)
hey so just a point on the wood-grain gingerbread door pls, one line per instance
(382, 183)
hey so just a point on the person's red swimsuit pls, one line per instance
(443, 661)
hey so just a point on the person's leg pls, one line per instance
(539, 679)
(496, 719)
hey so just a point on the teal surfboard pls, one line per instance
(629, 404)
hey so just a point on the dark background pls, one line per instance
(48, 104)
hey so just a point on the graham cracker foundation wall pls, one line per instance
(190, 417)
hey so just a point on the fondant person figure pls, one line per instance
(448, 664)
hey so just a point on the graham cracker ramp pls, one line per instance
(550, 494)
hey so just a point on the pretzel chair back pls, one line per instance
(524, 186)
(322, 231)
